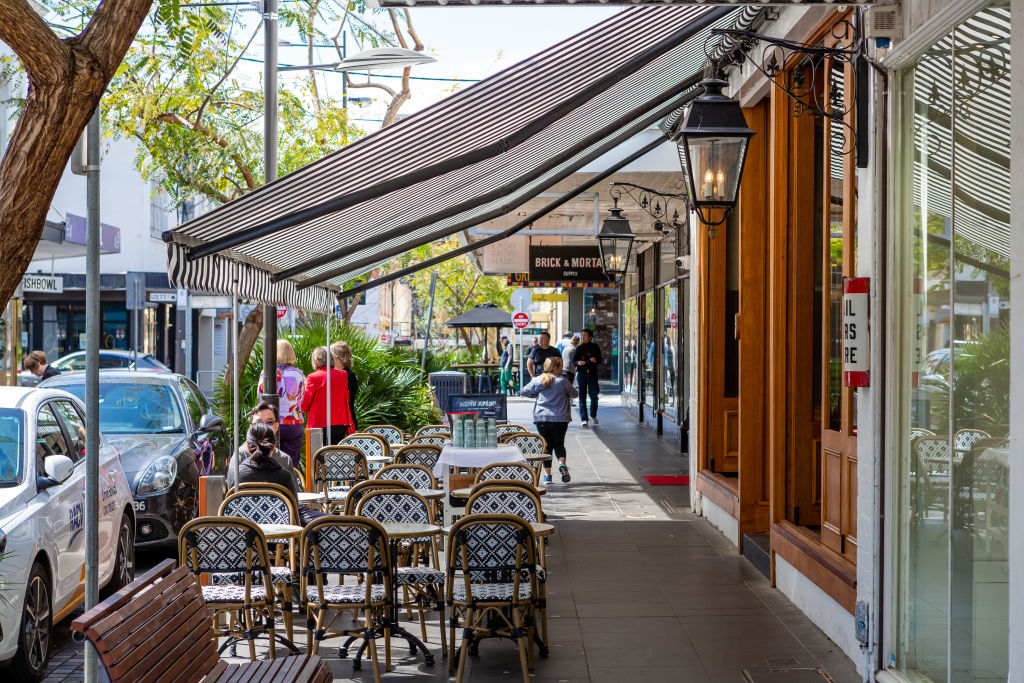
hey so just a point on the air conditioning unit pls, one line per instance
(885, 22)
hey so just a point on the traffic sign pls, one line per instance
(520, 320)
(521, 299)
(282, 311)
(383, 336)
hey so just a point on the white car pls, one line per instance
(42, 521)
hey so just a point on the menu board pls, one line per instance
(484, 405)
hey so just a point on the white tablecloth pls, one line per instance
(475, 457)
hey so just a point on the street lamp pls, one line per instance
(383, 58)
(712, 149)
(615, 242)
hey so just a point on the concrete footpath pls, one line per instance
(639, 589)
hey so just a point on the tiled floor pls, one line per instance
(639, 589)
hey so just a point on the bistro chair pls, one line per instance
(347, 546)
(372, 446)
(434, 429)
(528, 444)
(963, 440)
(920, 431)
(393, 435)
(336, 469)
(421, 584)
(430, 440)
(423, 454)
(933, 461)
(357, 492)
(268, 504)
(213, 547)
(504, 429)
(488, 557)
(416, 476)
(497, 498)
(507, 470)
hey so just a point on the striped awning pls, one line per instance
(533, 3)
(469, 158)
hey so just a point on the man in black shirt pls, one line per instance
(585, 359)
(540, 353)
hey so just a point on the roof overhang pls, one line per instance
(534, 3)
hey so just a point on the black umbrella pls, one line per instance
(483, 315)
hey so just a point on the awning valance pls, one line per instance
(471, 157)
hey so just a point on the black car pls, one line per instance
(157, 421)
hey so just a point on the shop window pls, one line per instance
(670, 350)
(950, 615)
(601, 314)
(630, 323)
(649, 349)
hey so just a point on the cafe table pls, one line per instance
(282, 532)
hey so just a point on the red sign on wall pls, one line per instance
(856, 349)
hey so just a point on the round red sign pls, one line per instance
(520, 320)
(282, 311)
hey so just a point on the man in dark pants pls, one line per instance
(586, 359)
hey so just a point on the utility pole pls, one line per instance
(92, 380)
(430, 315)
(269, 175)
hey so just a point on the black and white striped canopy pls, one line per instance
(469, 158)
(503, 3)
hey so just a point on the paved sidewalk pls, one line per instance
(639, 588)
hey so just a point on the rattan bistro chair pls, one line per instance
(430, 440)
(347, 546)
(218, 547)
(488, 557)
(336, 469)
(504, 429)
(392, 434)
(416, 476)
(507, 470)
(422, 583)
(433, 429)
(357, 492)
(964, 439)
(372, 445)
(418, 454)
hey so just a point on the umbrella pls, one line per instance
(483, 315)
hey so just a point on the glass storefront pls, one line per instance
(648, 347)
(669, 350)
(630, 322)
(601, 314)
(950, 613)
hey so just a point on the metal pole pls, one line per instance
(234, 365)
(269, 175)
(92, 380)
(188, 335)
(430, 315)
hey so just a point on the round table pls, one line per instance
(465, 493)
(277, 532)
(311, 497)
(408, 530)
(431, 494)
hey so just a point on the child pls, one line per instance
(551, 412)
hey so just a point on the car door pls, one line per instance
(66, 505)
(74, 426)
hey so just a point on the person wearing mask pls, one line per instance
(585, 359)
(341, 352)
(314, 401)
(552, 412)
(36, 363)
(567, 352)
(540, 353)
(291, 384)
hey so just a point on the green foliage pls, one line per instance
(981, 383)
(392, 388)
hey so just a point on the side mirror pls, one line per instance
(58, 467)
(210, 423)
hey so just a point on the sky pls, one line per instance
(468, 43)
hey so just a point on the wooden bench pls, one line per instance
(158, 629)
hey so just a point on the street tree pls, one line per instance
(66, 77)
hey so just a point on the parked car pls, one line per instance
(109, 359)
(157, 421)
(42, 521)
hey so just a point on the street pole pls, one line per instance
(92, 380)
(430, 315)
(269, 175)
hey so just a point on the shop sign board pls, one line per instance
(507, 256)
(47, 284)
(552, 297)
(579, 263)
(484, 405)
(163, 297)
(856, 350)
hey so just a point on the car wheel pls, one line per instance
(124, 562)
(29, 662)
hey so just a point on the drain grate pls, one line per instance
(787, 675)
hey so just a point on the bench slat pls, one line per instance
(155, 641)
(115, 627)
(300, 669)
(192, 644)
(121, 597)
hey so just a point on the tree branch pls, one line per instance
(45, 56)
(398, 31)
(212, 136)
(213, 90)
(111, 31)
(388, 90)
(418, 46)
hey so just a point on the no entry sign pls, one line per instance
(856, 352)
(520, 320)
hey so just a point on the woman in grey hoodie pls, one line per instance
(552, 412)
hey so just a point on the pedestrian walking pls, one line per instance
(552, 412)
(341, 352)
(314, 402)
(506, 366)
(37, 364)
(565, 341)
(291, 384)
(585, 359)
(567, 353)
(540, 353)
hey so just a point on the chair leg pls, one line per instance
(521, 641)
(451, 641)
(248, 620)
(270, 630)
(373, 647)
(387, 641)
(440, 613)
(464, 647)
(287, 608)
(313, 640)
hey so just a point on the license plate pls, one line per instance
(139, 505)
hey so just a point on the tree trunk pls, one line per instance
(66, 79)
(247, 336)
(467, 338)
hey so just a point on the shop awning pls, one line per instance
(469, 158)
(533, 3)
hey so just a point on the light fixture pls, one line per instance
(383, 58)
(712, 150)
(616, 243)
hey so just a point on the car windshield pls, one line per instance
(152, 364)
(11, 441)
(129, 408)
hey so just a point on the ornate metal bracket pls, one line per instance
(817, 83)
(663, 207)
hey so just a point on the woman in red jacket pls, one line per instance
(314, 400)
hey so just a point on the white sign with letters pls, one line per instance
(47, 284)
(856, 350)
